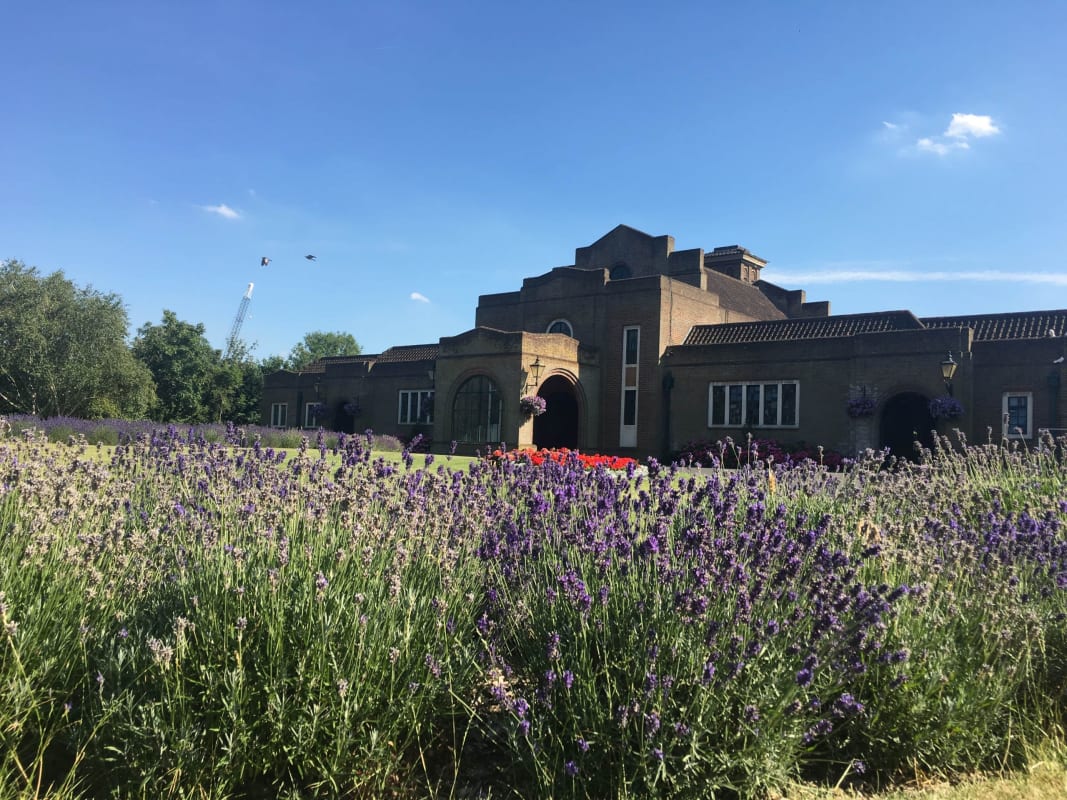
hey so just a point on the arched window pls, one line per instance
(476, 412)
(561, 326)
(619, 272)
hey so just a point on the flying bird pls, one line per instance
(310, 257)
(264, 261)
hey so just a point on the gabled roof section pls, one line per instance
(791, 330)
(643, 253)
(409, 352)
(1001, 327)
(622, 231)
(744, 298)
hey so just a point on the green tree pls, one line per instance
(319, 344)
(272, 364)
(240, 386)
(63, 349)
(191, 383)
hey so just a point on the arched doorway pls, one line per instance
(558, 426)
(905, 420)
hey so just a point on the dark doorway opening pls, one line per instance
(905, 420)
(558, 426)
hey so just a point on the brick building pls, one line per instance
(638, 348)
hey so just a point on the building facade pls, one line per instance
(638, 348)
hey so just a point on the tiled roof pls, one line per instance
(789, 330)
(997, 327)
(320, 364)
(409, 352)
(346, 359)
(744, 298)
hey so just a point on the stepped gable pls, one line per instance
(409, 352)
(744, 298)
(790, 330)
(1001, 327)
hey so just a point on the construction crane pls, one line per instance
(238, 321)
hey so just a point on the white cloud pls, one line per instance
(420, 297)
(890, 125)
(915, 276)
(928, 145)
(222, 210)
(961, 128)
(977, 125)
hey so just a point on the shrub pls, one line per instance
(730, 454)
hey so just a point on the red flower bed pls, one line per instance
(562, 455)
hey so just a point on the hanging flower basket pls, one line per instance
(945, 407)
(352, 408)
(532, 405)
(861, 406)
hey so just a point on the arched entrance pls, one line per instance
(905, 420)
(558, 426)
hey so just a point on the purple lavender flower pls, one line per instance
(553, 647)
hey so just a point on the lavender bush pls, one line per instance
(122, 431)
(184, 615)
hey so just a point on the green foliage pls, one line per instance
(320, 344)
(272, 364)
(63, 349)
(191, 381)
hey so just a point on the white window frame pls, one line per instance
(279, 415)
(423, 407)
(1028, 431)
(629, 383)
(310, 420)
(744, 389)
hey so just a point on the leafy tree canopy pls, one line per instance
(272, 364)
(63, 349)
(320, 344)
(191, 381)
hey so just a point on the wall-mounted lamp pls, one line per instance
(948, 370)
(535, 372)
(429, 374)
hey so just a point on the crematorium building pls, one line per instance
(638, 348)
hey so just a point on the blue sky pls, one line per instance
(882, 156)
